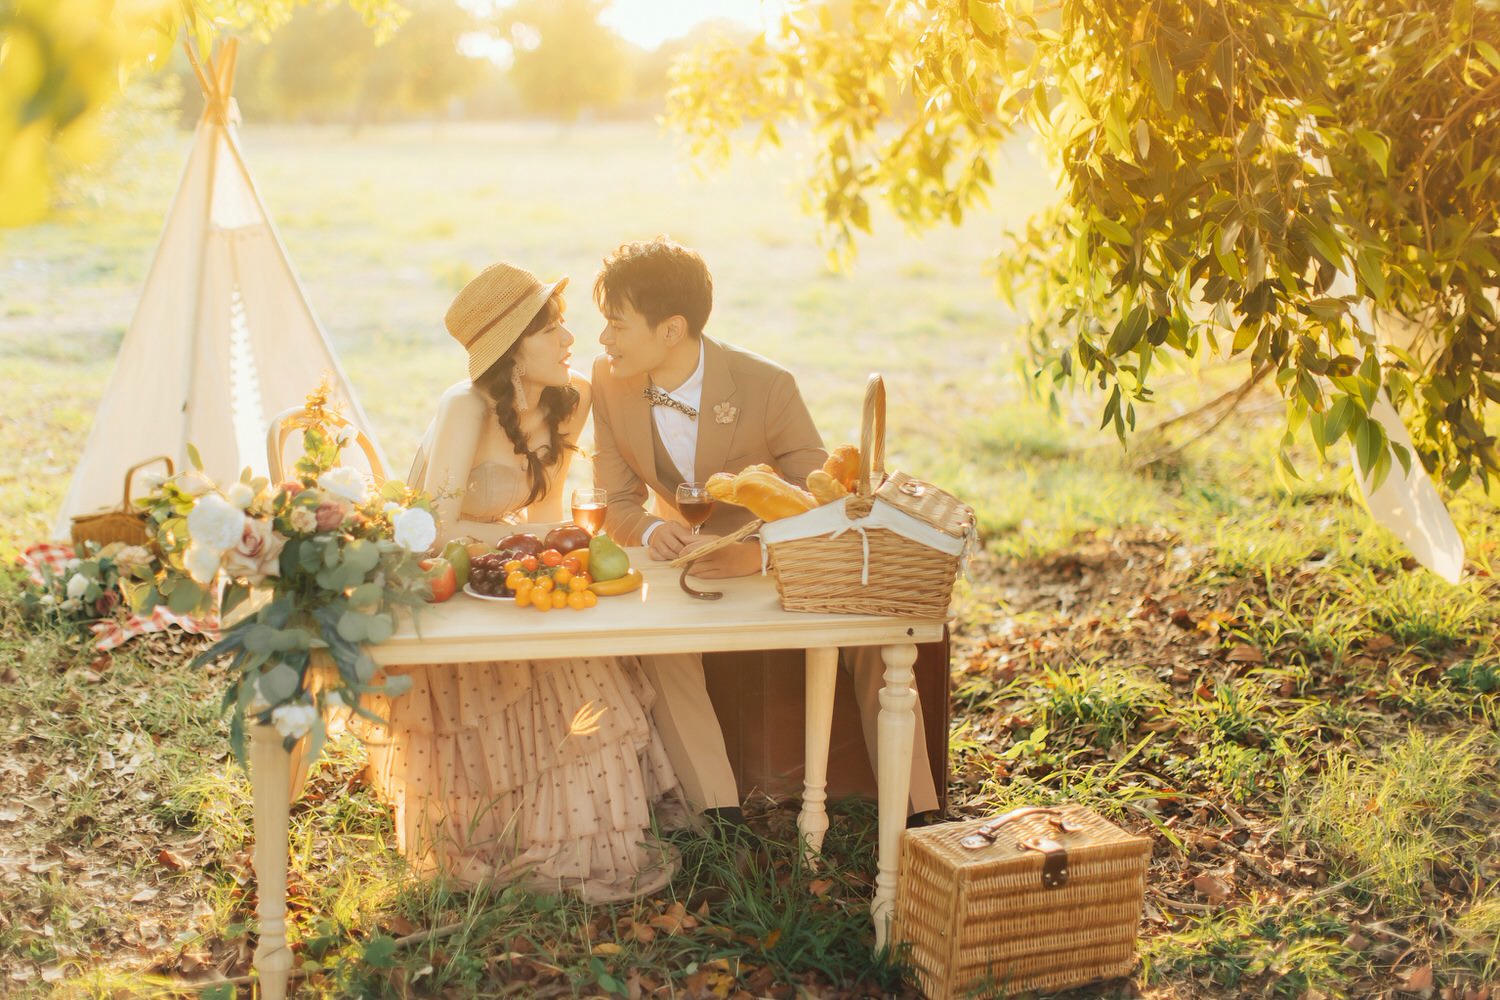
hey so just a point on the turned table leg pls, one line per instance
(270, 778)
(822, 675)
(896, 730)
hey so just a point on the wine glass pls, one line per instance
(695, 504)
(588, 509)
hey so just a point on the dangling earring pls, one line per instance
(518, 386)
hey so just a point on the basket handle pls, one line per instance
(130, 473)
(985, 835)
(872, 435)
(281, 430)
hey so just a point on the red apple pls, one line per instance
(441, 578)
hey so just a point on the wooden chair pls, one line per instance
(289, 422)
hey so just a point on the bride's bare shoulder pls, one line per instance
(461, 399)
(585, 391)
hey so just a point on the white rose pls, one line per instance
(150, 482)
(78, 585)
(73, 564)
(132, 558)
(71, 604)
(415, 530)
(391, 508)
(240, 494)
(202, 563)
(215, 523)
(48, 600)
(294, 720)
(303, 520)
(195, 483)
(346, 483)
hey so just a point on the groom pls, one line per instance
(673, 406)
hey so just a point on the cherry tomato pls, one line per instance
(540, 599)
(529, 564)
(578, 583)
(544, 583)
(590, 598)
(561, 576)
(576, 600)
(572, 563)
(516, 578)
(551, 557)
(559, 598)
(523, 598)
(512, 565)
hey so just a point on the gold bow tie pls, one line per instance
(656, 397)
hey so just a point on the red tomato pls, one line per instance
(551, 557)
(441, 578)
(529, 564)
(572, 564)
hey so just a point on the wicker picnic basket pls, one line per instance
(117, 524)
(1035, 899)
(893, 547)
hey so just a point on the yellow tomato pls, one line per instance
(561, 576)
(513, 581)
(543, 584)
(590, 598)
(559, 598)
(576, 600)
(523, 598)
(578, 583)
(540, 599)
(513, 565)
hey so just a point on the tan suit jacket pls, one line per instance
(751, 412)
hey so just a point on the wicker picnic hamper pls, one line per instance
(1036, 899)
(893, 547)
(120, 524)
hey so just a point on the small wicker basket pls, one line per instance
(120, 524)
(1054, 902)
(893, 547)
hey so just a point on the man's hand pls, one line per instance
(739, 559)
(669, 538)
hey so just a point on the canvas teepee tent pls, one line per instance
(223, 338)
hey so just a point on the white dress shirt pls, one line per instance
(678, 431)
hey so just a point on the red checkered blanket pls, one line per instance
(38, 560)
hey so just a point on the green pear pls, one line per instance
(458, 554)
(607, 561)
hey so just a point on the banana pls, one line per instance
(632, 580)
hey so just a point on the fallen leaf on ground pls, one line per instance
(145, 895)
(1418, 980)
(1211, 888)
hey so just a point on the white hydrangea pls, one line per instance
(294, 720)
(346, 483)
(78, 585)
(215, 523)
(202, 563)
(415, 530)
(303, 520)
(150, 482)
(391, 508)
(240, 494)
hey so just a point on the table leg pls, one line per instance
(270, 778)
(812, 821)
(896, 730)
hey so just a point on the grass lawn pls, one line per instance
(1249, 672)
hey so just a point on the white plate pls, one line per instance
(484, 597)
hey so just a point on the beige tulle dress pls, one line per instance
(501, 770)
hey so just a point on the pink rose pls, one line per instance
(258, 553)
(291, 487)
(106, 602)
(331, 514)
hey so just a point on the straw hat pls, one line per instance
(487, 317)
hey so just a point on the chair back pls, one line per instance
(292, 421)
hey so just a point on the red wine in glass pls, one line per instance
(694, 503)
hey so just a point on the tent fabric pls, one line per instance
(222, 340)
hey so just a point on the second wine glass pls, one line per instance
(695, 504)
(588, 510)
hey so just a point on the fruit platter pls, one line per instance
(565, 569)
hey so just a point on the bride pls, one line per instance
(488, 772)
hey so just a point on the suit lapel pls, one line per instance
(714, 437)
(635, 428)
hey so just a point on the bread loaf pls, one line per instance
(825, 488)
(769, 497)
(843, 465)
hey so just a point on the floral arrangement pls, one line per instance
(84, 588)
(320, 561)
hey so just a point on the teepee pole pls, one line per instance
(213, 120)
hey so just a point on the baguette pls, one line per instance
(824, 488)
(770, 497)
(720, 486)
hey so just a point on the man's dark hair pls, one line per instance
(658, 278)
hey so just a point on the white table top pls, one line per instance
(658, 618)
